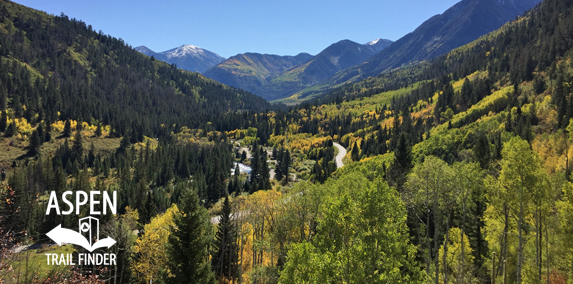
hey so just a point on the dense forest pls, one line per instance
(458, 169)
(54, 68)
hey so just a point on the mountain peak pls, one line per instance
(145, 50)
(379, 44)
(185, 50)
(374, 42)
(187, 56)
(460, 24)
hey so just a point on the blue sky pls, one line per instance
(229, 27)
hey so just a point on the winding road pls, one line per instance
(341, 154)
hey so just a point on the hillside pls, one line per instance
(336, 57)
(457, 26)
(60, 69)
(477, 143)
(187, 57)
(273, 77)
(250, 71)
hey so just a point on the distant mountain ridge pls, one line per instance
(459, 25)
(188, 57)
(249, 71)
(274, 77)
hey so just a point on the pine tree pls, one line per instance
(41, 133)
(148, 210)
(35, 143)
(509, 122)
(255, 169)
(98, 130)
(67, 129)
(234, 184)
(481, 150)
(3, 121)
(285, 165)
(48, 132)
(402, 162)
(279, 165)
(225, 255)
(466, 94)
(11, 130)
(123, 144)
(188, 244)
(78, 147)
(354, 154)
(265, 182)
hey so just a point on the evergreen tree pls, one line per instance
(255, 168)
(509, 122)
(481, 150)
(279, 165)
(78, 147)
(402, 162)
(11, 130)
(123, 144)
(285, 165)
(354, 154)
(67, 129)
(466, 94)
(275, 153)
(188, 244)
(98, 130)
(35, 143)
(3, 121)
(48, 132)
(41, 134)
(226, 252)
(265, 172)
(148, 210)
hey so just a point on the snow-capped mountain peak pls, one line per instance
(185, 50)
(373, 42)
(188, 57)
(379, 44)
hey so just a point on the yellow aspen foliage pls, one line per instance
(58, 125)
(151, 247)
(246, 250)
(460, 266)
(257, 223)
(73, 124)
(23, 126)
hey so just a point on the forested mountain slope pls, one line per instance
(275, 77)
(336, 57)
(477, 143)
(250, 71)
(59, 68)
(459, 25)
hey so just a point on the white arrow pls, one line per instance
(107, 242)
(62, 235)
